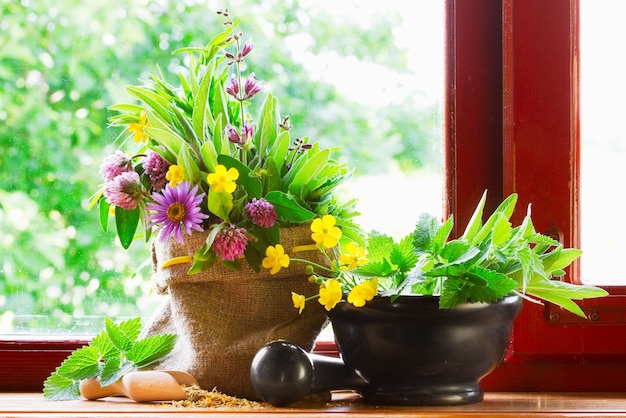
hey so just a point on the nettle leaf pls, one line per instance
(109, 373)
(475, 223)
(61, 388)
(82, 364)
(119, 338)
(103, 344)
(441, 236)
(403, 255)
(559, 259)
(378, 246)
(424, 233)
(497, 285)
(151, 349)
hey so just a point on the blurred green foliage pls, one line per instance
(61, 66)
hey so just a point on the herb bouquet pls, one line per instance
(216, 191)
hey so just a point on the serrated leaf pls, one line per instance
(150, 349)
(424, 233)
(118, 337)
(102, 343)
(131, 327)
(109, 372)
(81, 364)
(60, 388)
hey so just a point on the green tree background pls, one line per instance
(60, 69)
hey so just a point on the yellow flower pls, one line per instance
(137, 128)
(175, 175)
(353, 258)
(275, 258)
(325, 232)
(223, 180)
(330, 293)
(298, 301)
(363, 292)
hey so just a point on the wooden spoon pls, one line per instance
(142, 386)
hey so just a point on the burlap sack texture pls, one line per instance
(223, 317)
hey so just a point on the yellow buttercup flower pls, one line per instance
(223, 180)
(137, 128)
(325, 232)
(353, 258)
(298, 301)
(275, 258)
(363, 292)
(330, 293)
(175, 174)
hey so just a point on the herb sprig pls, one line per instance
(112, 353)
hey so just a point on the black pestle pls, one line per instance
(283, 373)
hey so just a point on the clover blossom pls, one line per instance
(230, 242)
(115, 164)
(124, 190)
(262, 212)
(156, 167)
(176, 210)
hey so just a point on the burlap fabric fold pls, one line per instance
(223, 317)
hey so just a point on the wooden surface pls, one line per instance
(494, 405)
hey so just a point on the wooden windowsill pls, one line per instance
(495, 405)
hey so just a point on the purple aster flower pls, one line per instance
(262, 212)
(115, 164)
(156, 167)
(124, 190)
(230, 242)
(176, 209)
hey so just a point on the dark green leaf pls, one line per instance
(126, 222)
(288, 209)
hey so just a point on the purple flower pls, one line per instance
(232, 87)
(156, 167)
(230, 242)
(252, 87)
(124, 190)
(115, 164)
(232, 134)
(262, 212)
(247, 132)
(176, 209)
(247, 48)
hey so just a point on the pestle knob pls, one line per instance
(283, 373)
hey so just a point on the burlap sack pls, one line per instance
(223, 317)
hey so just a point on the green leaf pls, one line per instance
(476, 221)
(559, 259)
(287, 209)
(189, 163)
(165, 137)
(61, 388)
(81, 364)
(119, 338)
(151, 349)
(307, 172)
(267, 129)
(209, 155)
(200, 104)
(104, 215)
(111, 371)
(442, 234)
(424, 233)
(126, 222)
(220, 204)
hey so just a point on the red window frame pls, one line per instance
(510, 125)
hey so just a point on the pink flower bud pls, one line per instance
(252, 87)
(232, 87)
(232, 134)
(247, 48)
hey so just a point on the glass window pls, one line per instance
(603, 149)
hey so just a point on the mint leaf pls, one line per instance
(109, 356)
(118, 337)
(424, 233)
(60, 388)
(150, 349)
